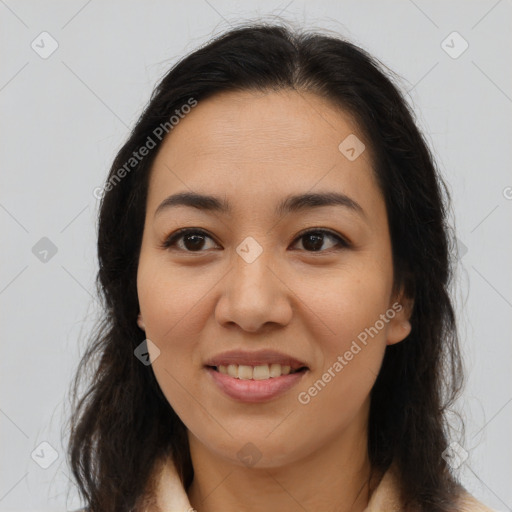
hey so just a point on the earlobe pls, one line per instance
(400, 326)
(398, 331)
(140, 322)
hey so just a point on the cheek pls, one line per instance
(355, 316)
(176, 306)
(349, 304)
(170, 301)
(351, 354)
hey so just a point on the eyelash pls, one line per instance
(171, 240)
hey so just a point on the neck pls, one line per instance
(334, 478)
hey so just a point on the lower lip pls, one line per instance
(254, 391)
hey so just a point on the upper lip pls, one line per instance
(256, 358)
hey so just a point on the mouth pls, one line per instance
(257, 372)
(255, 376)
(255, 384)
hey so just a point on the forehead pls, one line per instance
(245, 124)
(261, 145)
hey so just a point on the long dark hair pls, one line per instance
(122, 426)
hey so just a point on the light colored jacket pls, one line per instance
(172, 497)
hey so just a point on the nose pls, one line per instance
(254, 296)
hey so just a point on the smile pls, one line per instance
(259, 372)
(255, 384)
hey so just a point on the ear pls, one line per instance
(400, 326)
(140, 322)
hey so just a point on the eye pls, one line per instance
(190, 240)
(194, 240)
(314, 239)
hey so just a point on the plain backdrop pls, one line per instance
(68, 99)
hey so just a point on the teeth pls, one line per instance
(244, 372)
(260, 372)
(275, 370)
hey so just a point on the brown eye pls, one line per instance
(195, 240)
(189, 240)
(314, 240)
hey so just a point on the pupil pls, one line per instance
(317, 242)
(197, 242)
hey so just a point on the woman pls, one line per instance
(275, 263)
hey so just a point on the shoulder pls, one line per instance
(468, 503)
(386, 497)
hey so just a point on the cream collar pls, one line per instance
(172, 497)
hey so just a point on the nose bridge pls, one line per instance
(253, 295)
(251, 273)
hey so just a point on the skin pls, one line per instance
(254, 149)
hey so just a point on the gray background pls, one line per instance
(64, 117)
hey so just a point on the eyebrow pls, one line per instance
(292, 203)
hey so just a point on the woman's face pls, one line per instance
(250, 279)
